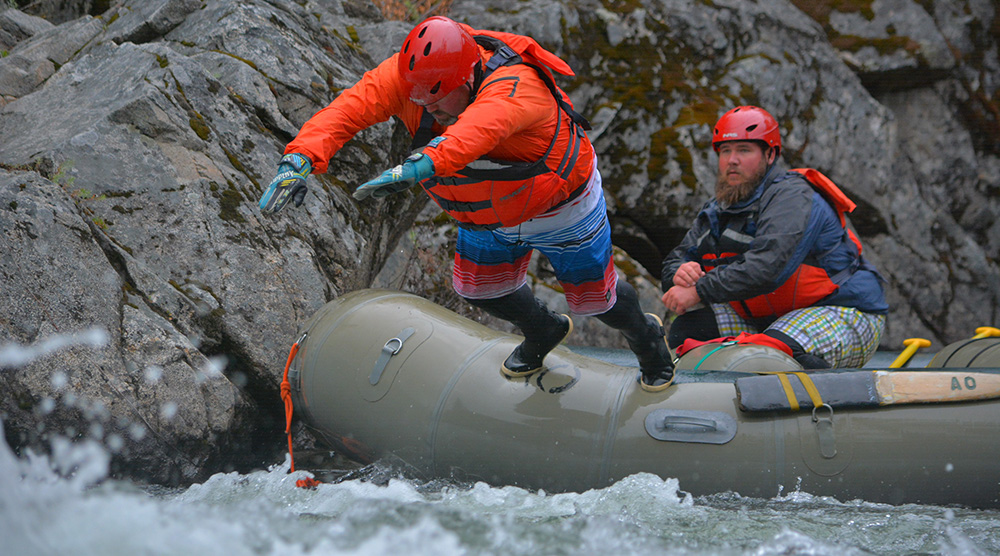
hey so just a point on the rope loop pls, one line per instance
(286, 397)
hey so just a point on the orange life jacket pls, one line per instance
(490, 193)
(809, 283)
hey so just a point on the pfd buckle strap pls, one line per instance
(391, 347)
(460, 206)
(479, 227)
(572, 197)
(572, 152)
(503, 56)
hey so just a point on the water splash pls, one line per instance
(13, 354)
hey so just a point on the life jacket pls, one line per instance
(490, 193)
(809, 283)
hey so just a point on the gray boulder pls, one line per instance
(164, 147)
(16, 26)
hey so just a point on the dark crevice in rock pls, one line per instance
(111, 250)
(246, 452)
(637, 246)
(648, 245)
(894, 81)
(982, 114)
(18, 436)
(268, 123)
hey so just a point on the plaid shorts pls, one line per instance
(845, 337)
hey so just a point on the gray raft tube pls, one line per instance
(385, 375)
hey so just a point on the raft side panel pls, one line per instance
(974, 352)
(448, 412)
(547, 431)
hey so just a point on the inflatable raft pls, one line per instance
(391, 376)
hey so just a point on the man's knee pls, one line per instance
(807, 360)
(700, 325)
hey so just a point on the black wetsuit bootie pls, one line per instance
(645, 336)
(543, 330)
(656, 368)
(527, 357)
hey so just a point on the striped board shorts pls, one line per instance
(845, 337)
(576, 239)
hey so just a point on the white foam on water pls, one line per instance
(44, 511)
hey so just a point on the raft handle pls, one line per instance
(681, 425)
(673, 421)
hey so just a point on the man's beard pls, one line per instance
(444, 119)
(728, 195)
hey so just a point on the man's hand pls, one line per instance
(416, 168)
(290, 183)
(688, 274)
(681, 299)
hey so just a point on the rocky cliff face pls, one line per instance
(138, 136)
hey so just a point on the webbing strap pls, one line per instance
(793, 402)
(807, 383)
(810, 387)
(424, 132)
(391, 347)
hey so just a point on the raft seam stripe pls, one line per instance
(445, 394)
(611, 433)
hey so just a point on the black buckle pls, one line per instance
(501, 57)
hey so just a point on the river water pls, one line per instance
(65, 503)
(45, 510)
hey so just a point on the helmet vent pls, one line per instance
(406, 47)
(751, 128)
(436, 88)
(427, 49)
(413, 59)
(422, 31)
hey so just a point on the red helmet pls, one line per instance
(437, 57)
(747, 123)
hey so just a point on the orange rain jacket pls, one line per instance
(513, 118)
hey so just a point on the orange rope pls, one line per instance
(286, 396)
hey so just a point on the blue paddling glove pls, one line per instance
(416, 168)
(290, 183)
